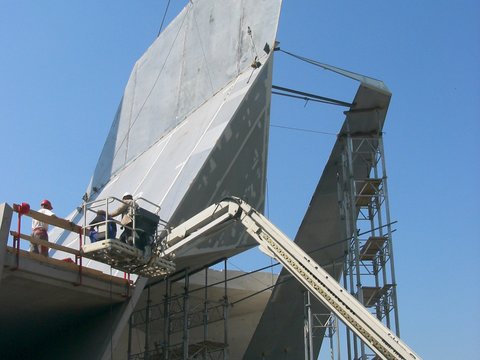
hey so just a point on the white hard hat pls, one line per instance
(127, 195)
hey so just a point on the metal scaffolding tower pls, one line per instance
(369, 272)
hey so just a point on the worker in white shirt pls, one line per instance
(40, 229)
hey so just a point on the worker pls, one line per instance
(40, 229)
(127, 209)
(99, 226)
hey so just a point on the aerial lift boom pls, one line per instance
(272, 242)
(315, 279)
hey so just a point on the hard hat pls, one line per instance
(46, 204)
(127, 194)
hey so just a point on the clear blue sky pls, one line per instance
(64, 65)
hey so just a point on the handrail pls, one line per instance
(24, 210)
(45, 243)
(158, 207)
(51, 220)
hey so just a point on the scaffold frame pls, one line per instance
(177, 317)
(369, 272)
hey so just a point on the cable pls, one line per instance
(305, 130)
(307, 99)
(263, 290)
(302, 58)
(255, 64)
(163, 19)
(317, 63)
(351, 237)
(245, 273)
(249, 31)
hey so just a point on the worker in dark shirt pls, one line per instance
(127, 210)
(99, 225)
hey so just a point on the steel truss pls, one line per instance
(369, 272)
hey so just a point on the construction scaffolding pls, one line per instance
(365, 325)
(320, 327)
(369, 272)
(167, 326)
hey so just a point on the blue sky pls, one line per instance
(64, 65)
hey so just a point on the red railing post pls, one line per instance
(126, 277)
(21, 209)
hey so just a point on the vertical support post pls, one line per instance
(389, 240)
(308, 327)
(81, 238)
(106, 219)
(166, 319)
(133, 209)
(330, 329)
(205, 316)
(185, 316)
(225, 315)
(80, 258)
(342, 181)
(350, 220)
(338, 339)
(305, 330)
(84, 229)
(377, 214)
(348, 205)
(126, 277)
(6, 213)
(147, 326)
(349, 345)
(353, 215)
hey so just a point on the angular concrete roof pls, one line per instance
(192, 126)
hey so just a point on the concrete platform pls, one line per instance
(47, 309)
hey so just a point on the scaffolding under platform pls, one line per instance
(127, 258)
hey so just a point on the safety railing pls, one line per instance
(23, 210)
(132, 251)
(140, 207)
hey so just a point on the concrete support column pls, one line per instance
(5, 221)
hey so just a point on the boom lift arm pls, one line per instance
(315, 279)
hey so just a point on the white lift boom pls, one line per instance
(316, 280)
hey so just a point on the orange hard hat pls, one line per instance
(47, 204)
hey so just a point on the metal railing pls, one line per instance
(24, 210)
